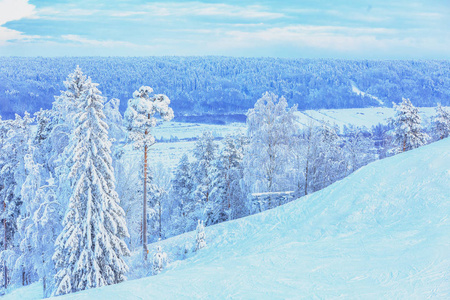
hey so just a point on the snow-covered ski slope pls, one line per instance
(381, 233)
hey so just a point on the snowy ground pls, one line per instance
(192, 130)
(381, 233)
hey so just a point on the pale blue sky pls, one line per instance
(385, 29)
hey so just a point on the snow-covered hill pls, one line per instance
(382, 232)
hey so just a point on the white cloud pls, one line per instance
(189, 9)
(97, 43)
(330, 39)
(127, 13)
(63, 13)
(12, 10)
(161, 9)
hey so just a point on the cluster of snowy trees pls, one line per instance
(61, 214)
(226, 84)
(73, 206)
(277, 160)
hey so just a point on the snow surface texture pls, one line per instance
(381, 233)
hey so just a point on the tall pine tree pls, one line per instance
(139, 121)
(90, 248)
(203, 171)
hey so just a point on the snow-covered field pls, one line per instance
(367, 117)
(191, 130)
(381, 233)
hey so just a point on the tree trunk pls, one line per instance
(144, 214)
(160, 220)
(307, 161)
(4, 243)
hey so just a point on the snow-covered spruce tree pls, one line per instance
(159, 261)
(65, 106)
(65, 110)
(270, 128)
(90, 248)
(201, 236)
(159, 201)
(331, 164)
(408, 132)
(203, 170)
(182, 195)
(226, 191)
(441, 122)
(139, 120)
(156, 200)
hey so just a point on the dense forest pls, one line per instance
(226, 85)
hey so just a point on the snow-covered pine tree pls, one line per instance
(65, 110)
(156, 195)
(203, 170)
(90, 248)
(226, 188)
(65, 106)
(201, 236)
(441, 122)
(159, 261)
(139, 121)
(331, 164)
(408, 132)
(182, 193)
(44, 122)
(160, 202)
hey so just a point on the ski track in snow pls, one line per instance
(357, 91)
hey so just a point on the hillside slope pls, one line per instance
(383, 232)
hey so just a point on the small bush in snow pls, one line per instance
(201, 243)
(159, 261)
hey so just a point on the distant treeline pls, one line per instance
(224, 85)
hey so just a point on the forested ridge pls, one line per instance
(198, 85)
